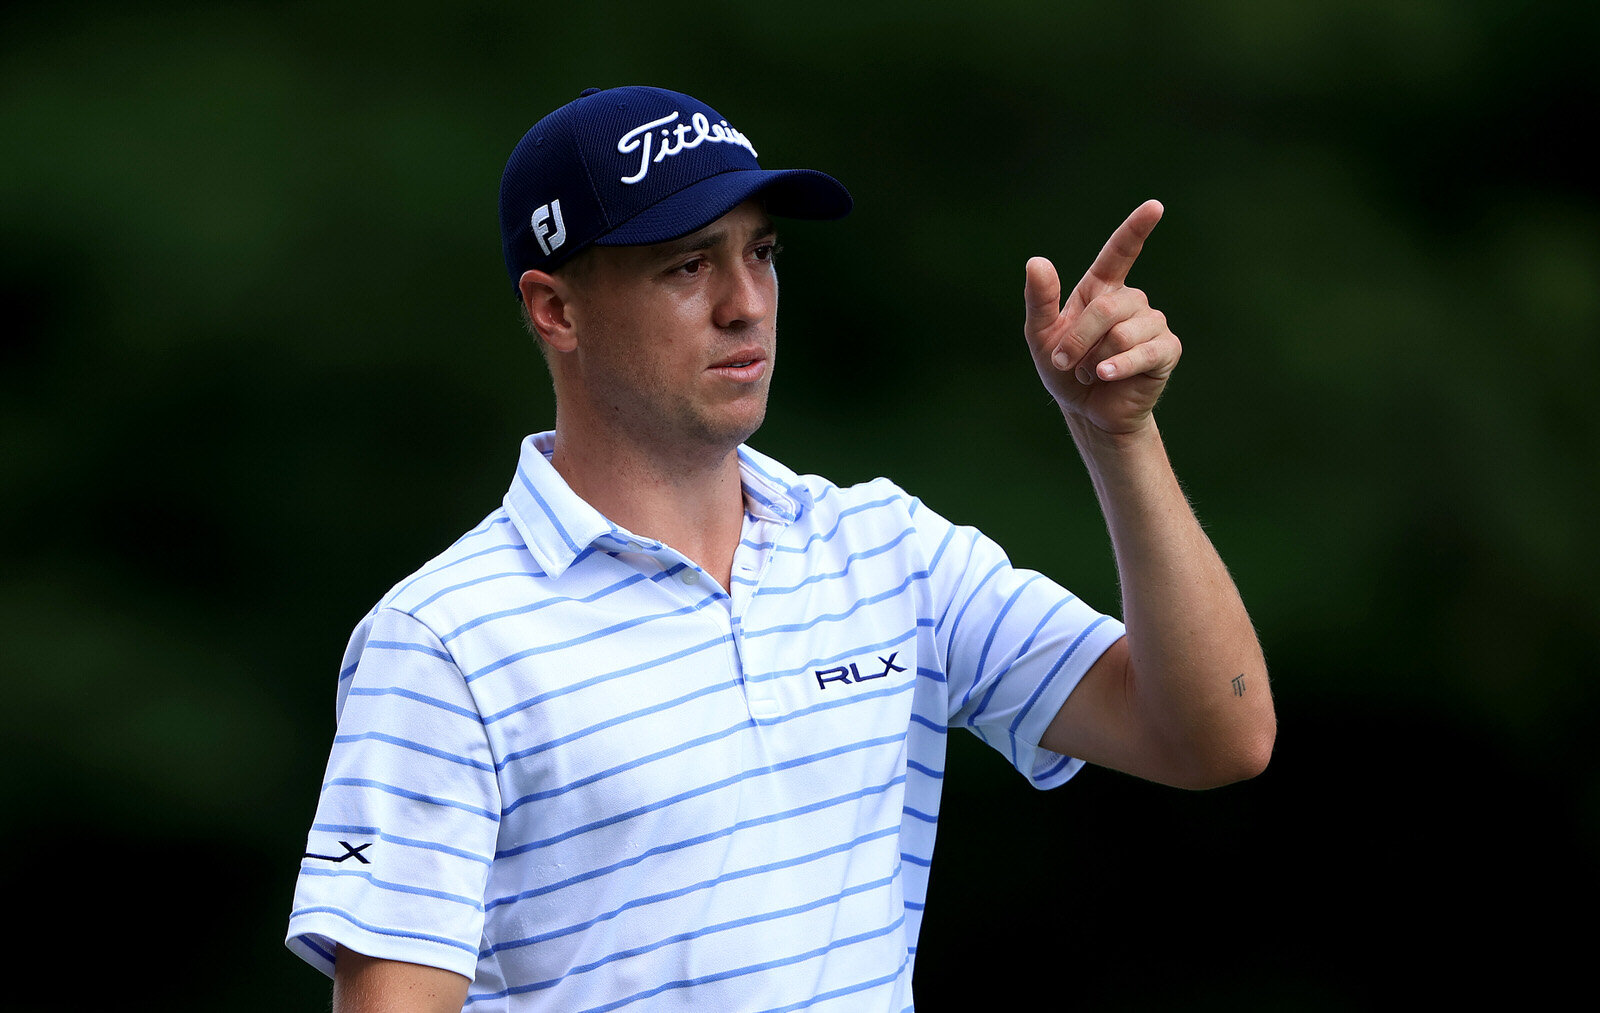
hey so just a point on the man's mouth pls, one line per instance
(742, 359)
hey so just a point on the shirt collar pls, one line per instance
(558, 525)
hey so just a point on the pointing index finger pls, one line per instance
(1116, 258)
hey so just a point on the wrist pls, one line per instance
(1093, 439)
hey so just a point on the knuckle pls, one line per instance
(1102, 307)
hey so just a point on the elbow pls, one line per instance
(1243, 756)
(1256, 751)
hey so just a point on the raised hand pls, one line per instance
(1105, 355)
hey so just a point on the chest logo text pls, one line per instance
(851, 675)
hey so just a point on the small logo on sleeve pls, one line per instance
(850, 675)
(350, 851)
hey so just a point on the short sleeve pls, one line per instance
(1014, 644)
(406, 826)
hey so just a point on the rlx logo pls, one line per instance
(851, 675)
(350, 851)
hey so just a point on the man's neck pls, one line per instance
(692, 502)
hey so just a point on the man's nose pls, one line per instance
(749, 296)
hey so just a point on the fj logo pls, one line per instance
(548, 228)
(850, 674)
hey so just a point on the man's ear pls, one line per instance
(545, 297)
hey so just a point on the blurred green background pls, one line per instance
(262, 362)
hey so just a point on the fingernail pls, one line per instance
(1061, 360)
(1084, 376)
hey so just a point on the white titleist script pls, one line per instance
(675, 140)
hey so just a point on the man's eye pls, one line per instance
(692, 267)
(767, 251)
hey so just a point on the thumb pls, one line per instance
(1041, 296)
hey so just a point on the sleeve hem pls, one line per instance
(1045, 769)
(316, 936)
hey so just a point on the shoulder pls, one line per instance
(490, 553)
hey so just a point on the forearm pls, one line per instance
(1195, 679)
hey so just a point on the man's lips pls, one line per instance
(741, 357)
(744, 364)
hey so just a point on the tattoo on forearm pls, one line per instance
(1238, 684)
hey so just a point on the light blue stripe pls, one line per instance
(383, 884)
(684, 937)
(415, 796)
(828, 535)
(849, 990)
(596, 680)
(1044, 683)
(620, 768)
(402, 645)
(999, 677)
(827, 705)
(409, 842)
(673, 750)
(458, 560)
(861, 603)
(344, 828)
(705, 884)
(848, 560)
(705, 789)
(844, 701)
(612, 630)
(484, 579)
(944, 543)
(994, 626)
(555, 522)
(956, 623)
(411, 694)
(395, 740)
(775, 482)
(309, 942)
(740, 972)
(1055, 768)
(689, 842)
(391, 933)
(544, 603)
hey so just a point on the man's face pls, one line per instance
(676, 341)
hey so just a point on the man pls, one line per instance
(667, 729)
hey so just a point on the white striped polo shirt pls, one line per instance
(572, 768)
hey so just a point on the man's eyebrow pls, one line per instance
(697, 241)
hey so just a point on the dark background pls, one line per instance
(262, 362)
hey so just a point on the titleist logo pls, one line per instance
(675, 140)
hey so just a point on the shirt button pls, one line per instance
(690, 577)
(764, 710)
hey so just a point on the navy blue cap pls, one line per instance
(636, 165)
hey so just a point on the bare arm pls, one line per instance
(363, 984)
(1183, 699)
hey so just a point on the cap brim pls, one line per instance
(788, 193)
